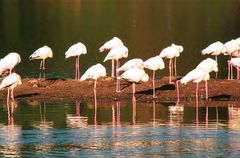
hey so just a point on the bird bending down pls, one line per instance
(75, 51)
(9, 62)
(115, 54)
(154, 64)
(10, 82)
(208, 65)
(114, 42)
(136, 62)
(171, 52)
(135, 75)
(94, 72)
(42, 53)
(196, 75)
(214, 49)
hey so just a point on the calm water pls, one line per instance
(119, 129)
(74, 128)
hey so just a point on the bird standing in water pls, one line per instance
(154, 64)
(75, 51)
(94, 72)
(10, 82)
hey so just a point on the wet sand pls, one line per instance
(69, 89)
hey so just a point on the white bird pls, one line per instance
(135, 75)
(10, 82)
(196, 75)
(154, 64)
(115, 54)
(236, 63)
(9, 62)
(75, 51)
(208, 65)
(42, 53)
(214, 49)
(114, 42)
(136, 62)
(94, 72)
(171, 52)
(232, 48)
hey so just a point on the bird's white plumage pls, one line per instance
(114, 42)
(135, 75)
(235, 62)
(76, 50)
(11, 81)
(231, 47)
(42, 53)
(215, 48)
(117, 53)
(136, 62)
(94, 72)
(238, 41)
(154, 63)
(171, 51)
(196, 75)
(208, 65)
(9, 62)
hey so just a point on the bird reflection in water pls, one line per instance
(176, 114)
(134, 110)
(76, 120)
(116, 115)
(234, 116)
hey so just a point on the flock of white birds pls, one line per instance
(132, 70)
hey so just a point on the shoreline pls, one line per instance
(70, 89)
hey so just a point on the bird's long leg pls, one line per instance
(153, 80)
(95, 92)
(12, 96)
(217, 63)
(76, 69)
(117, 75)
(41, 65)
(78, 66)
(206, 116)
(8, 93)
(197, 91)
(112, 68)
(175, 66)
(206, 89)
(133, 88)
(229, 69)
(177, 88)
(170, 70)
(95, 108)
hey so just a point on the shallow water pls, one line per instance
(74, 128)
